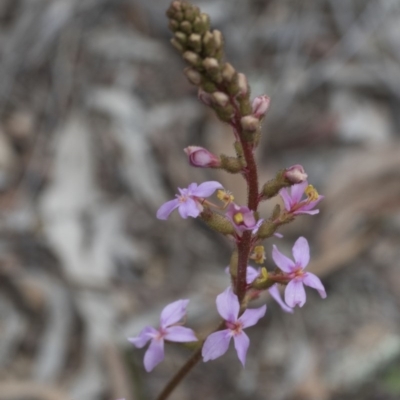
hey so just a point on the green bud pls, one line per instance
(221, 99)
(217, 222)
(186, 27)
(228, 72)
(232, 165)
(272, 187)
(195, 42)
(218, 38)
(267, 229)
(173, 25)
(181, 37)
(192, 58)
(233, 263)
(177, 45)
(193, 76)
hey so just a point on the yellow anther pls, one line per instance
(225, 196)
(258, 254)
(311, 193)
(238, 218)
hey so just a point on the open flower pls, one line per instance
(243, 219)
(218, 342)
(294, 292)
(189, 201)
(292, 199)
(252, 274)
(170, 330)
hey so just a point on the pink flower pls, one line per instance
(201, 157)
(169, 330)
(252, 274)
(189, 201)
(294, 292)
(295, 174)
(260, 106)
(243, 219)
(292, 199)
(218, 342)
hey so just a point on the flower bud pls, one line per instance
(186, 27)
(295, 174)
(228, 72)
(221, 99)
(211, 64)
(260, 106)
(217, 38)
(250, 123)
(205, 97)
(192, 58)
(195, 42)
(193, 76)
(243, 85)
(201, 157)
(177, 45)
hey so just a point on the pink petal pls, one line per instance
(242, 343)
(216, 345)
(228, 305)
(297, 191)
(312, 204)
(180, 334)
(276, 295)
(295, 293)
(206, 189)
(313, 281)
(287, 200)
(301, 211)
(154, 354)
(166, 209)
(173, 313)
(251, 316)
(283, 262)
(144, 336)
(189, 208)
(191, 188)
(301, 252)
(251, 274)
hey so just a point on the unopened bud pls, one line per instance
(205, 97)
(218, 39)
(231, 164)
(177, 45)
(295, 174)
(186, 27)
(173, 25)
(228, 72)
(250, 123)
(201, 157)
(192, 58)
(260, 106)
(243, 85)
(211, 64)
(193, 76)
(181, 37)
(221, 99)
(217, 222)
(195, 42)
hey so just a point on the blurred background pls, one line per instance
(94, 114)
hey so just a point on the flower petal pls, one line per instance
(301, 252)
(242, 343)
(228, 305)
(206, 189)
(312, 204)
(216, 345)
(166, 209)
(295, 295)
(301, 211)
(180, 334)
(283, 262)
(144, 336)
(313, 281)
(154, 354)
(173, 313)
(287, 200)
(251, 274)
(276, 295)
(189, 208)
(251, 316)
(297, 191)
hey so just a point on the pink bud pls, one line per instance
(295, 174)
(205, 97)
(260, 106)
(201, 157)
